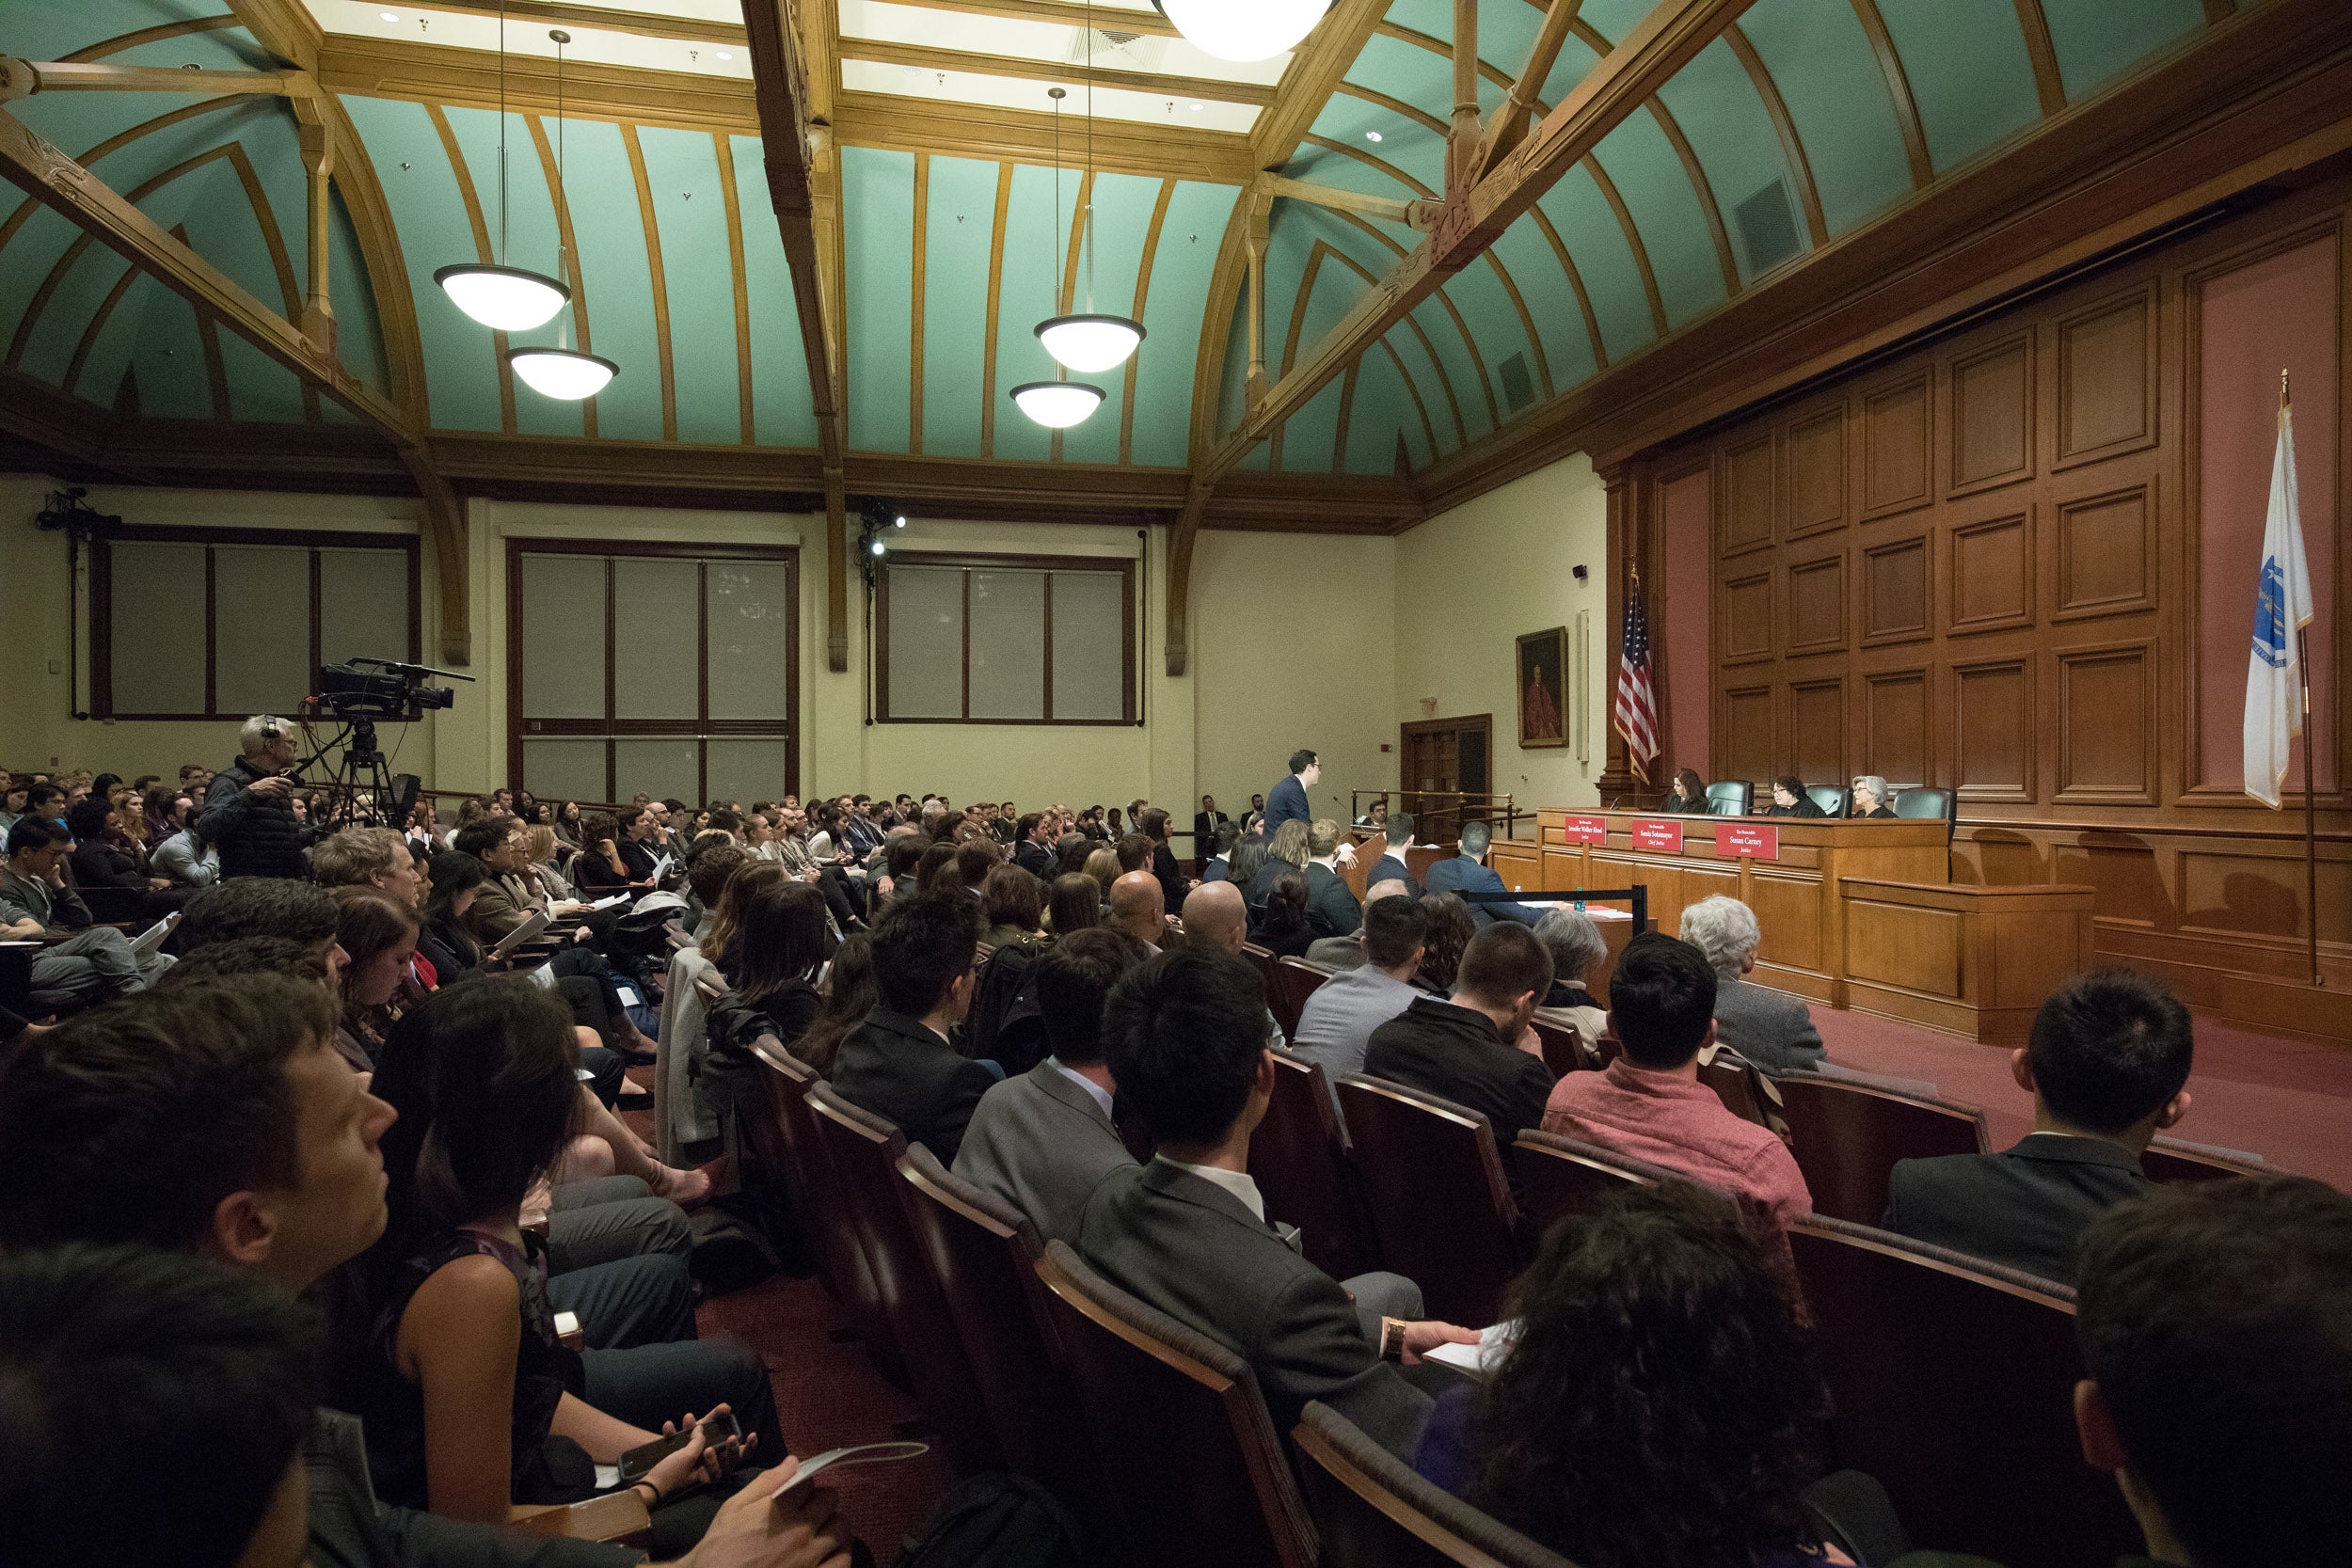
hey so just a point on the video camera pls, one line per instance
(384, 690)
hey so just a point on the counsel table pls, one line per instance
(1859, 915)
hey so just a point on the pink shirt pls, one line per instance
(1678, 1122)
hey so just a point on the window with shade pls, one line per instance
(1005, 639)
(667, 670)
(227, 623)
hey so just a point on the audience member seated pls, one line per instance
(1041, 1141)
(368, 857)
(1336, 1026)
(2218, 1390)
(378, 934)
(1392, 864)
(1649, 1102)
(613, 859)
(1012, 902)
(469, 1399)
(1447, 929)
(776, 951)
(851, 994)
(1073, 903)
(1283, 927)
(1769, 1028)
(1654, 1405)
(182, 856)
(1467, 872)
(84, 963)
(249, 807)
(1174, 884)
(1137, 910)
(196, 1384)
(1872, 796)
(1286, 855)
(1033, 850)
(102, 857)
(1686, 795)
(1185, 1039)
(1217, 866)
(1331, 907)
(1477, 1048)
(265, 907)
(2106, 1064)
(899, 1063)
(1576, 945)
(1790, 800)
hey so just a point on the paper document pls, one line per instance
(530, 927)
(153, 938)
(660, 868)
(1481, 1359)
(864, 1453)
(608, 903)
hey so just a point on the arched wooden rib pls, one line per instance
(98, 326)
(1395, 105)
(1527, 321)
(1478, 361)
(1428, 431)
(1699, 183)
(1143, 293)
(121, 41)
(115, 143)
(921, 243)
(996, 283)
(480, 228)
(2048, 85)
(1897, 92)
(1225, 281)
(1348, 412)
(1633, 238)
(1381, 164)
(1299, 297)
(395, 302)
(1792, 149)
(1069, 274)
(561, 199)
(1576, 282)
(660, 286)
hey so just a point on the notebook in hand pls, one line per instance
(529, 930)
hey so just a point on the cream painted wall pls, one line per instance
(1470, 581)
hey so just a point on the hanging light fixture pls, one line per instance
(561, 371)
(504, 298)
(1060, 402)
(1086, 342)
(1243, 31)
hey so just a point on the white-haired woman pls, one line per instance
(1576, 947)
(1872, 796)
(1769, 1028)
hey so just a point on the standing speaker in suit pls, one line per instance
(1287, 801)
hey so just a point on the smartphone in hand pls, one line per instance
(637, 1462)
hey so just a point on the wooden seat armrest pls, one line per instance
(619, 1517)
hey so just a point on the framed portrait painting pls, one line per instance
(1543, 688)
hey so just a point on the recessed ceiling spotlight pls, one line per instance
(1372, 135)
(724, 55)
(1197, 108)
(389, 16)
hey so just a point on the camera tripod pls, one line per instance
(360, 772)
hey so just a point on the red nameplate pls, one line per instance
(1584, 830)
(1651, 835)
(1752, 840)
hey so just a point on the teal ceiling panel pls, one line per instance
(1581, 216)
(170, 356)
(1439, 395)
(1384, 406)
(1714, 102)
(1969, 73)
(1354, 165)
(1309, 435)
(1234, 372)
(351, 294)
(260, 389)
(1613, 19)
(617, 275)
(531, 239)
(1575, 63)
(1822, 61)
(35, 250)
(878, 247)
(1124, 204)
(57, 334)
(1667, 213)
(1433, 16)
(1181, 269)
(698, 269)
(1507, 32)
(1465, 366)
(227, 228)
(782, 413)
(1495, 326)
(1035, 242)
(1550, 299)
(2097, 40)
(420, 188)
(959, 231)
(51, 29)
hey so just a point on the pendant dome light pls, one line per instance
(1086, 342)
(504, 298)
(561, 371)
(1243, 31)
(1060, 402)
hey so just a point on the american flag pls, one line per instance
(1637, 706)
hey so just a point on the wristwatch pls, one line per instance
(1392, 1339)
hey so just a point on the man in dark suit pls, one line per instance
(1390, 865)
(1332, 906)
(1287, 801)
(1468, 872)
(1185, 1036)
(1205, 822)
(1042, 1140)
(1033, 853)
(2105, 1064)
(1469, 1048)
(898, 1064)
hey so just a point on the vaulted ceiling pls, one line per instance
(1799, 122)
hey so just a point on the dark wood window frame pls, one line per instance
(877, 630)
(102, 601)
(702, 729)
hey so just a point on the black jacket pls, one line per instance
(1035, 859)
(896, 1068)
(1171, 879)
(2027, 1206)
(1450, 1052)
(257, 836)
(1805, 806)
(1331, 907)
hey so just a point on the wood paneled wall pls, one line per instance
(1977, 565)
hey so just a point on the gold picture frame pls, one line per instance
(1543, 688)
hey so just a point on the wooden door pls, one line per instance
(1443, 760)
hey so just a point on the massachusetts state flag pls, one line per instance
(2282, 603)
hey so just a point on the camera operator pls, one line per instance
(248, 811)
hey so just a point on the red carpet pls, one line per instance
(2284, 1097)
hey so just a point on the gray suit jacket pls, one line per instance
(1040, 1143)
(1196, 1252)
(1767, 1027)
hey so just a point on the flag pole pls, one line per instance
(2311, 736)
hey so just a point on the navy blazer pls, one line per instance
(894, 1067)
(2027, 1206)
(1284, 801)
(1388, 868)
(1464, 875)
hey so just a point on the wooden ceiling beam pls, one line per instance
(924, 58)
(22, 78)
(1471, 221)
(1064, 12)
(610, 19)
(1414, 214)
(1507, 126)
(468, 78)
(978, 131)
